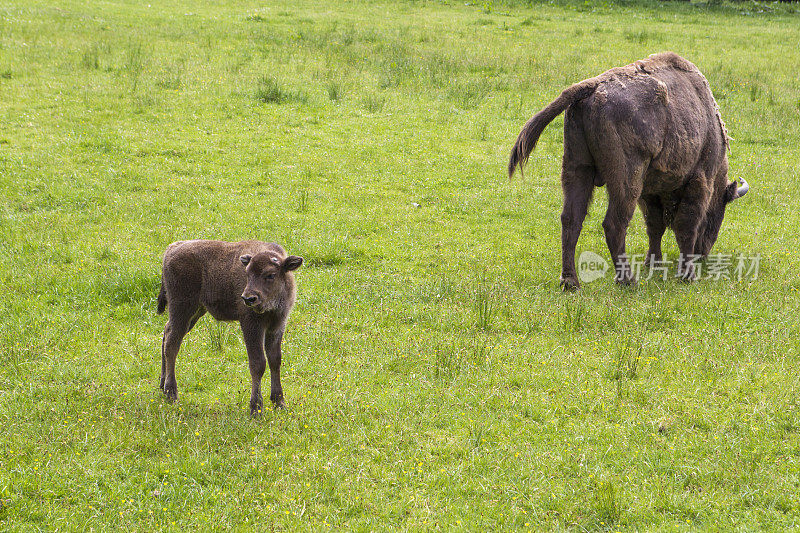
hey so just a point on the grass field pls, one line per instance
(436, 377)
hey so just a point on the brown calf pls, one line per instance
(249, 281)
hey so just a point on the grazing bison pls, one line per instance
(249, 281)
(650, 132)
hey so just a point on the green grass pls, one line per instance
(436, 377)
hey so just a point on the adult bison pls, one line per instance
(650, 132)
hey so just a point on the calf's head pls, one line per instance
(270, 281)
(709, 230)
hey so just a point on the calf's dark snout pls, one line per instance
(249, 300)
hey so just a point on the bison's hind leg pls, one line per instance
(182, 318)
(163, 359)
(578, 179)
(578, 185)
(623, 176)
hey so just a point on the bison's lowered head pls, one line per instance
(709, 230)
(270, 281)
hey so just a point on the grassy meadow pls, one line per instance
(436, 377)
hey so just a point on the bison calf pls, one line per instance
(249, 281)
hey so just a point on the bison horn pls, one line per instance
(741, 191)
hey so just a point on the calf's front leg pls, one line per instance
(272, 344)
(253, 333)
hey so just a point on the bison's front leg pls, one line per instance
(253, 333)
(272, 343)
(653, 212)
(686, 225)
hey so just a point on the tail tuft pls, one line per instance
(529, 135)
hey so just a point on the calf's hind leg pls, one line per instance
(182, 319)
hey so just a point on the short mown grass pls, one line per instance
(435, 375)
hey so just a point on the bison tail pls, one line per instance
(529, 135)
(162, 300)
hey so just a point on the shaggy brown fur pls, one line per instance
(652, 133)
(249, 281)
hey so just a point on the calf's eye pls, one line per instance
(269, 276)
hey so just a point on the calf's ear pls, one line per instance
(292, 262)
(245, 259)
